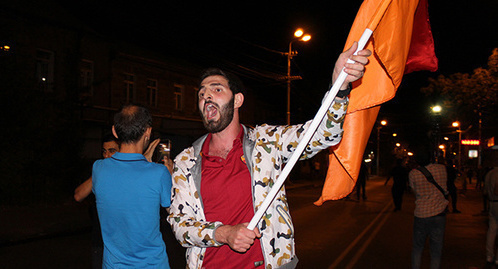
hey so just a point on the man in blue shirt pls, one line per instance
(129, 192)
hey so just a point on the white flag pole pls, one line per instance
(307, 136)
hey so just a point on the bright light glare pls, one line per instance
(398, 144)
(395, 134)
(437, 109)
(306, 38)
(299, 32)
(410, 154)
(441, 146)
(455, 124)
(383, 122)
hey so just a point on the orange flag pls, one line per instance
(391, 43)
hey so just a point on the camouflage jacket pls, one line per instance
(266, 149)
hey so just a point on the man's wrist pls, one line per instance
(345, 92)
(220, 234)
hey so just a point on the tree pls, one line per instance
(469, 97)
(476, 92)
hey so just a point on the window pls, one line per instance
(45, 70)
(152, 92)
(86, 77)
(178, 91)
(129, 89)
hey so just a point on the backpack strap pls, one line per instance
(431, 179)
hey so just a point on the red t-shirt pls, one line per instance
(227, 197)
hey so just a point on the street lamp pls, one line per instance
(436, 112)
(443, 148)
(437, 109)
(456, 124)
(382, 123)
(299, 36)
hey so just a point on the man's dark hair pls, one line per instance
(234, 82)
(108, 137)
(131, 123)
(422, 154)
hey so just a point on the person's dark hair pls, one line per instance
(234, 82)
(108, 137)
(422, 154)
(131, 123)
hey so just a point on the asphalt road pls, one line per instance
(368, 234)
(339, 234)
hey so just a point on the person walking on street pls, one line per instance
(400, 179)
(428, 182)
(362, 182)
(452, 174)
(491, 187)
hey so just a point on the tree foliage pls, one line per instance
(469, 94)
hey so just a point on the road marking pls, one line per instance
(358, 238)
(360, 252)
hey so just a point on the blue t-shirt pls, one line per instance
(129, 191)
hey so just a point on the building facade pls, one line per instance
(53, 55)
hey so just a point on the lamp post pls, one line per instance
(459, 131)
(299, 36)
(479, 156)
(436, 112)
(382, 123)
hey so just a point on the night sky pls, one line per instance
(245, 36)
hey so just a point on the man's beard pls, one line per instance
(226, 117)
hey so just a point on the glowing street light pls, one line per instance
(437, 109)
(299, 32)
(456, 124)
(382, 123)
(436, 112)
(300, 36)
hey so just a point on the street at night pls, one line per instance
(339, 234)
(425, 85)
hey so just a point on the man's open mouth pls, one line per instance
(210, 111)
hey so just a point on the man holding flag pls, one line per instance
(221, 180)
(209, 216)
